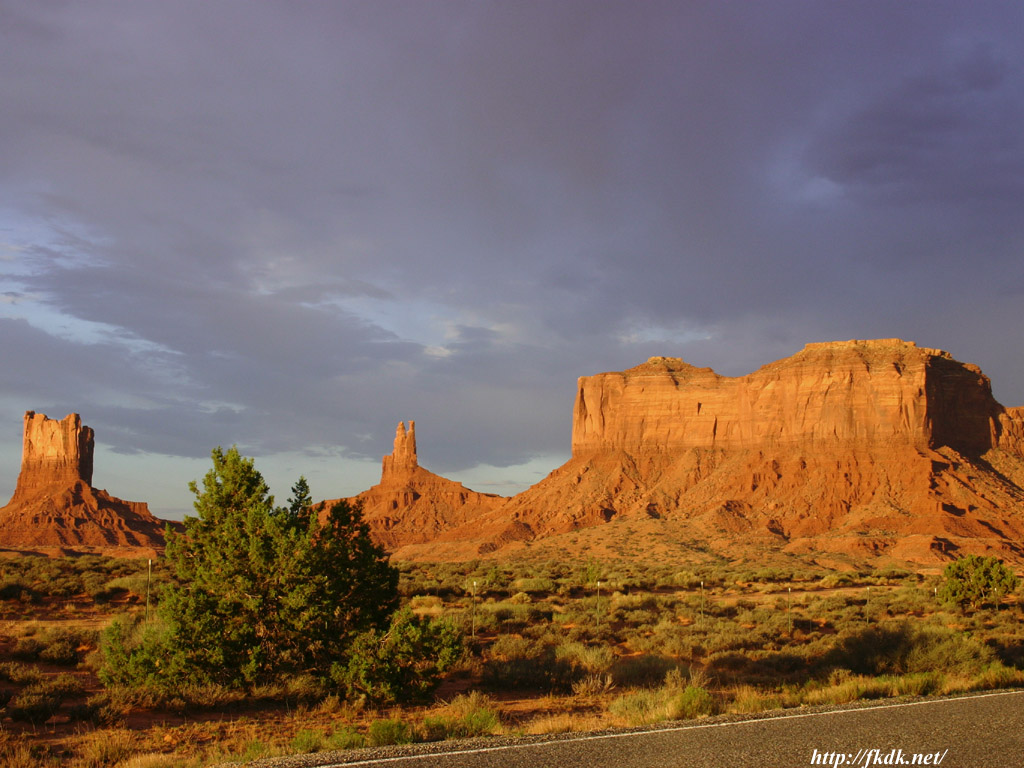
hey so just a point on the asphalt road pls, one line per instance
(966, 732)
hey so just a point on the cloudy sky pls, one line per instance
(287, 226)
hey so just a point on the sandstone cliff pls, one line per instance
(865, 448)
(882, 393)
(55, 504)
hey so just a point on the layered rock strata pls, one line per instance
(877, 394)
(54, 503)
(864, 448)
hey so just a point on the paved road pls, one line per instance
(967, 732)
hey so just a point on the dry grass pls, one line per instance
(152, 760)
(746, 699)
(737, 647)
(565, 722)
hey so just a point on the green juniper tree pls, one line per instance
(975, 580)
(260, 592)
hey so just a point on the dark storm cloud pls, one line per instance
(948, 135)
(290, 225)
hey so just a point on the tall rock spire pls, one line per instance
(411, 504)
(403, 458)
(54, 453)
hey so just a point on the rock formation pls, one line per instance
(863, 448)
(55, 504)
(412, 505)
(878, 394)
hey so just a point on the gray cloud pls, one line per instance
(289, 227)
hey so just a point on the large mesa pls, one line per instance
(863, 449)
(855, 394)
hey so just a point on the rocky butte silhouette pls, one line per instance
(863, 448)
(855, 449)
(55, 504)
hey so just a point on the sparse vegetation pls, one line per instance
(403, 663)
(647, 648)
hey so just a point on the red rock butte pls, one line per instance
(860, 448)
(55, 504)
(411, 505)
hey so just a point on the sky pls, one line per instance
(288, 226)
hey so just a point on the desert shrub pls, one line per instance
(22, 674)
(38, 577)
(308, 740)
(382, 733)
(692, 702)
(593, 685)
(152, 760)
(62, 651)
(519, 663)
(908, 600)
(683, 579)
(833, 580)
(404, 663)
(976, 581)
(21, 755)
(635, 619)
(644, 670)
(538, 585)
(39, 701)
(918, 684)
(15, 588)
(998, 676)
(588, 658)
(109, 707)
(135, 584)
(426, 604)
(474, 618)
(769, 576)
(717, 635)
(904, 648)
(431, 728)
(640, 707)
(674, 700)
(470, 714)
(66, 585)
(345, 737)
(207, 696)
(516, 614)
(96, 586)
(61, 646)
(640, 602)
(134, 654)
(728, 661)
(28, 648)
